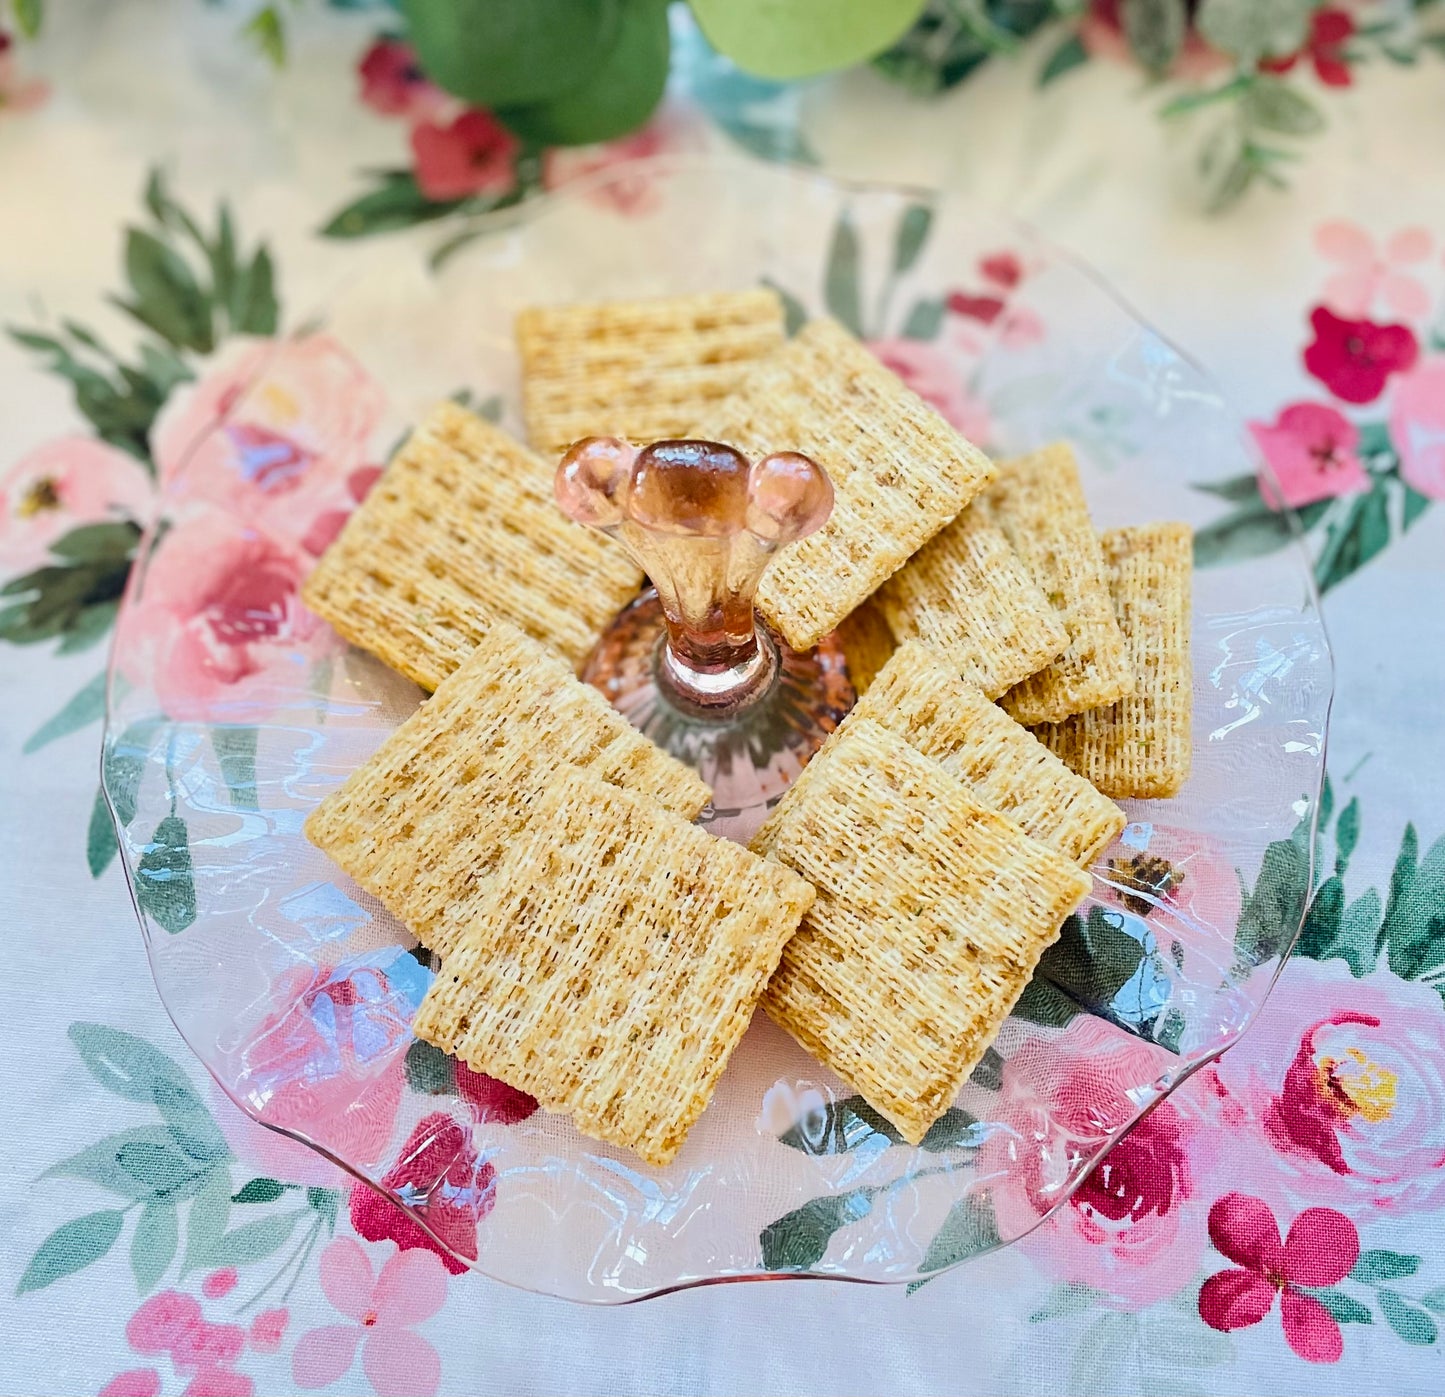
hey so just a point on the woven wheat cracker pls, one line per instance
(931, 914)
(968, 594)
(613, 964)
(1141, 746)
(899, 472)
(643, 370)
(1039, 503)
(423, 822)
(867, 643)
(460, 528)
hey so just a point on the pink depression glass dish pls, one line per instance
(232, 711)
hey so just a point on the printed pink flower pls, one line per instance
(134, 1382)
(492, 1100)
(268, 1329)
(937, 377)
(328, 1062)
(669, 132)
(1003, 269)
(384, 1309)
(1136, 1226)
(171, 1322)
(472, 154)
(219, 1283)
(1320, 1249)
(59, 487)
(220, 1382)
(272, 432)
(1367, 271)
(393, 84)
(1102, 32)
(439, 1175)
(1338, 1091)
(17, 94)
(1330, 31)
(220, 619)
(1355, 358)
(1417, 426)
(1311, 449)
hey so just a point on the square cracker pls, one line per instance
(899, 472)
(1039, 503)
(1141, 746)
(460, 528)
(867, 643)
(422, 824)
(968, 594)
(643, 370)
(918, 696)
(613, 964)
(931, 914)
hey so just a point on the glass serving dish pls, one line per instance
(232, 711)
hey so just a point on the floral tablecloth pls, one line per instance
(166, 202)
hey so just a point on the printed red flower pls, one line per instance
(472, 155)
(1330, 31)
(1003, 269)
(1354, 358)
(393, 84)
(1320, 1250)
(268, 1329)
(492, 1100)
(986, 309)
(438, 1175)
(1311, 449)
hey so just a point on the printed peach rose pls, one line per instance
(1417, 426)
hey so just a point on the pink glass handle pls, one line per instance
(704, 524)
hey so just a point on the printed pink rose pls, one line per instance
(1135, 1227)
(60, 486)
(1338, 1091)
(1320, 1249)
(220, 620)
(328, 1062)
(393, 84)
(669, 132)
(1355, 358)
(271, 432)
(383, 1311)
(1311, 449)
(439, 1175)
(134, 1382)
(1417, 426)
(473, 154)
(937, 377)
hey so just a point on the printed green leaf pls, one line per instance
(190, 1122)
(1321, 929)
(123, 1064)
(841, 291)
(1380, 1265)
(1415, 504)
(954, 1129)
(1237, 489)
(260, 1190)
(206, 1221)
(1410, 1322)
(266, 30)
(989, 1073)
(1273, 908)
(925, 319)
(1067, 1299)
(158, 1166)
(794, 314)
(70, 1248)
(1070, 54)
(253, 1240)
(844, 1125)
(396, 203)
(1345, 1308)
(100, 845)
(1359, 933)
(29, 15)
(1250, 532)
(1347, 835)
(83, 709)
(235, 749)
(253, 307)
(97, 543)
(125, 765)
(1351, 543)
(164, 887)
(798, 1240)
(803, 37)
(1045, 1003)
(504, 53)
(60, 600)
(167, 297)
(1434, 1300)
(1413, 930)
(913, 230)
(101, 1164)
(1271, 104)
(1093, 959)
(1253, 29)
(1155, 31)
(153, 1247)
(619, 93)
(429, 1070)
(325, 1203)
(968, 1229)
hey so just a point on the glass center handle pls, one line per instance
(703, 523)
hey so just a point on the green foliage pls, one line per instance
(619, 93)
(1255, 29)
(80, 711)
(396, 202)
(1093, 959)
(1410, 1322)
(260, 1190)
(968, 1229)
(235, 748)
(913, 229)
(953, 38)
(1155, 30)
(267, 31)
(429, 1070)
(1351, 542)
(798, 1240)
(841, 289)
(71, 1247)
(74, 597)
(1272, 910)
(29, 15)
(803, 37)
(1345, 1308)
(1069, 54)
(164, 886)
(850, 1124)
(1378, 1265)
(100, 845)
(153, 1244)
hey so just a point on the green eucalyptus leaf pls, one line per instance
(1380, 1264)
(111, 1164)
(1344, 1308)
(394, 204)
(1254, 29)
(100, 845)
(206, 1221)
(968, 1229)
(841, 289)
(619, 93)
(164, 885)
(505, 53)
(83, 709)
(253, 1240)
(70, 1248)
(153, 1247)
(29, 15)
(1271, 104)
(798, 1240)
(1410, 1322)
(235, 748)
(787, 39)
(913, 230)
(1069, 55)
(1155, 30)
(260, 1190)
(167, 296)
(925, 319)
